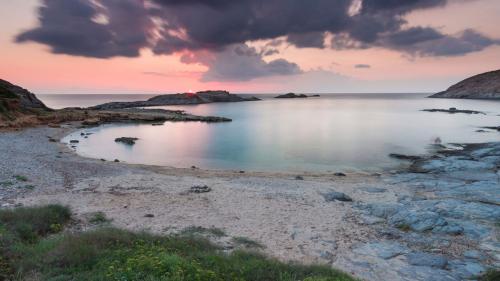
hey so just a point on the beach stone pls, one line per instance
(370, 220)
(200, 189)
(299, 178)
(424, 259)
(340, 175)
(149, 216)
(74, 141)
(483, 191)
(336, 196)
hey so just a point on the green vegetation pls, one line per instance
(98, 218)
(243, 241)
(404, 227)
(7, 94)
(198, 230)
(21, 178)
(32, 247)
(491, 275)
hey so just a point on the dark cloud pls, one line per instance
(71, 27)
(361, 65)
(110, 28)
(308, 40)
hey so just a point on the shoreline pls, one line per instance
(290, 217)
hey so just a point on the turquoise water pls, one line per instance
(331, 133)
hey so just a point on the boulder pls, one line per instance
(126, 140)
(336, 196)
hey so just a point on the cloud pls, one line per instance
(362, 66)
(72, 27)
(239, 62)
(308, 40)
(111, 28)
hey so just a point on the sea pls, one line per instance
(331, 133)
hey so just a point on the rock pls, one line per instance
(416, 220)
(339, 174)
(149, 216)
(492, 128)
(52, 140)
(74, 141)
(385, 250)
(126, 140)
(300, 178)
(404, 157)
(290, 96)
(423, 259)
(200, 189)
(157, 124)
(52, 125)
(336, 196)
(177, 99)
(19, 99)
(241, 172)
(315, 96)
(453, 110)
(482, 86)
(117, 161)
(103, 160)
(473, 254)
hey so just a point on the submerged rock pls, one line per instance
(404, 157)
(126, 140)
(453, 110)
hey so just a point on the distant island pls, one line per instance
(178, 99)
(482, 86)
(294, 96)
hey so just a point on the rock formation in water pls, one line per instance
(15, 101)
(482, 86)
(178, 99)
(291, 96)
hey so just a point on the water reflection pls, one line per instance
(329, 133)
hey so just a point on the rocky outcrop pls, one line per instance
(178, 99)
(25, 98)
(127, 140)
(291, 96)
(16, 101)
(482, 86)
(453, 110)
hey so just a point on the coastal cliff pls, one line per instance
(482, 86)
(178, 99)
(16, 101)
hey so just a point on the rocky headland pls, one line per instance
(178, 99)
(20, 108)
(482, 86)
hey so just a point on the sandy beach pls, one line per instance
(291, 217)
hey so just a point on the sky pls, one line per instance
(246, 46)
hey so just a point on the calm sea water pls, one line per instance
(332, 133)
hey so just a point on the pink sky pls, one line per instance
(33, 66)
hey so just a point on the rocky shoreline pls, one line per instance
(436, 220)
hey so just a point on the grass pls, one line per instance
(99, 218)
(491, 275)
(32, 248)
(21, 178)
(243, 241)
